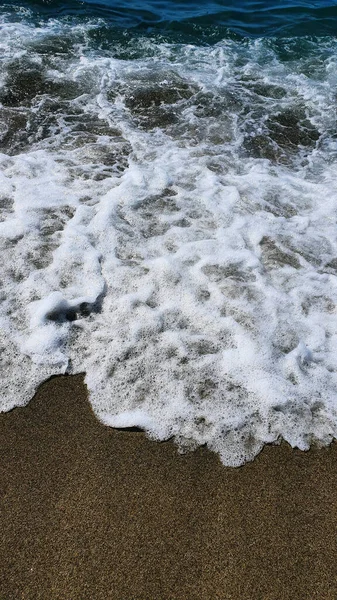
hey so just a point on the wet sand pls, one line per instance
(90, 513)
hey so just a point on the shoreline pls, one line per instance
(93, 512)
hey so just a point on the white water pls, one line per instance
(166, 232)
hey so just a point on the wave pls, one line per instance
(168, 227)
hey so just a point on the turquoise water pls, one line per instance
(168, 205)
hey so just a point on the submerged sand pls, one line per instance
(88, 512)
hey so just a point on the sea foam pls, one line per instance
(168, 227)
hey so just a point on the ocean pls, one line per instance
(168, 204)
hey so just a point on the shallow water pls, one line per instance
(168, 215)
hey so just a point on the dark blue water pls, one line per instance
(207, 20)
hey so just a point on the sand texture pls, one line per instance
(90, 513)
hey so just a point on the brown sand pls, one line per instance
(90, 513)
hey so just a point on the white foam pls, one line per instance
(194, 283)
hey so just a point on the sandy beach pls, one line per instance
(88, 512)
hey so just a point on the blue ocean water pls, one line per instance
(199, 19)
(168, 205)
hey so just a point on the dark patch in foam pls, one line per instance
(218, 273)
(6, 207)
(162, 94)
(284, 134)
(278, 205)
(285, 339)
(261, 146)
(53, 45)
(26, 79)
(330, 267)
(199, 391)
(23, 82)
(64, 312)
(163, 202)
(318, 304)
(13, 130)
(130, 429)
(217, 104)
(39, 254)
(52, 222)
(291, 127)
(267, 90)
(39, 109)
(158, 104)
(273, 257)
